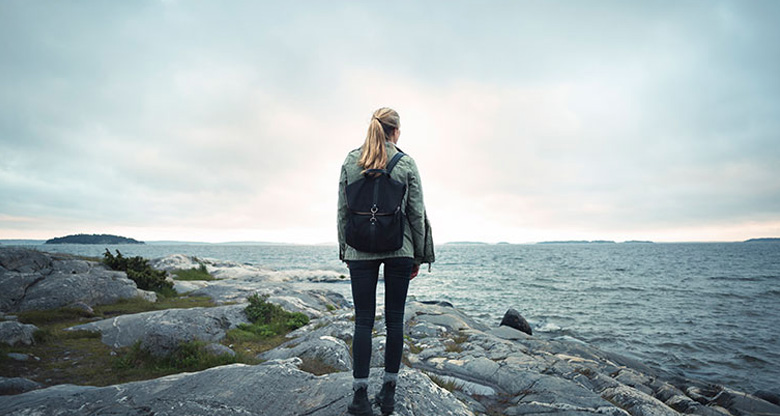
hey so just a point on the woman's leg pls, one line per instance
(397, 273)
(363, 276)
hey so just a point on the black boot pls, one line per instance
(360, 405)
(386, 398)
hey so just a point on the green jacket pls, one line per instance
(418, 239)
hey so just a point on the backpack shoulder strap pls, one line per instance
(391, 164)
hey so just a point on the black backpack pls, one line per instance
(375, 221)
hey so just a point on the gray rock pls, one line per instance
(312, 302)
(452, 319)
(636, 402)
(219, 349)
(513, 319)
(426, 330)
(507, 332)
(16, 385)
(549, 394)
(161, 332)
(82, 307)
(744, 404)
(768, 396)
(341, 329)
(278, 389)
(147, 295)
(13, 333)
(175, 262)
(31, 280)
(22, 260)
(635, 379)
(18, 356)
(326, 349)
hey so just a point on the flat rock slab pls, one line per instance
(162, 331)
(275, 388)
(222, 269)
(312, 302)
(31, 280)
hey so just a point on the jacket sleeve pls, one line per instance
(342, 213)
(415, 212)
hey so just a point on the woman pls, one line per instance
(400, 266)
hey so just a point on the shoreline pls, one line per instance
(451, 361)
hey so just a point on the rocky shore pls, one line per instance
(453, 364)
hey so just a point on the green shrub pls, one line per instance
(269, 319)
(42, 336)
(139, 271)
(188, 356)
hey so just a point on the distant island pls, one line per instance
(763, 240)
(92, 239)
(638, 242)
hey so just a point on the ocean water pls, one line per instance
(709, 311)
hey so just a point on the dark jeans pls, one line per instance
(364, 275)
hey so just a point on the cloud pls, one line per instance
(528, 121)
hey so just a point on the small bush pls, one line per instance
(139, 271)
(269, 319)
(42, 336)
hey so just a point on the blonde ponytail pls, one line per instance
(373, 154)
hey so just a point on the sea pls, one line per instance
(706, 311)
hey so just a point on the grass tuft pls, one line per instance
(188, 356)
(317, 367)
(453, 348)
(52, 316)
(199, 273)
(446, 385)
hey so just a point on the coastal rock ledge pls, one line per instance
(453, 365)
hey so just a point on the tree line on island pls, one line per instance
(93, 239)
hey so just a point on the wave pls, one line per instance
(751, 359)
(759, 278)
(548, 327)
(599, 289)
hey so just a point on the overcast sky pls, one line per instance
(529, 121)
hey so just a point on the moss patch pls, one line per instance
(79, 357)
(188, 356)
